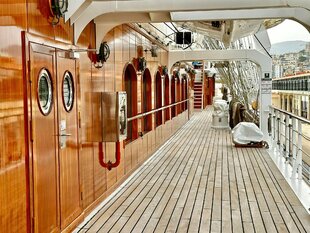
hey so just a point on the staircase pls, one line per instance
(198, 89)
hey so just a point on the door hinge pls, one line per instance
(81, 196)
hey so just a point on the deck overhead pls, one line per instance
(82, 12)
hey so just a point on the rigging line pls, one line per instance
(168, 36)
(170, 27)
(158, 30)
(156, 38)
(174, 27)
(262, 46)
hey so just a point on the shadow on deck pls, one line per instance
(199, 182)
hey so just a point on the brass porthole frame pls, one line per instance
(45, 105)
(68, 103)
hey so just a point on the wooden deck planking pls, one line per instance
(199, 182)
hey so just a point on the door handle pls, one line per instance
(65, 134)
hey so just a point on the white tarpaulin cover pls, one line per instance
(246, 132)
(220, 108)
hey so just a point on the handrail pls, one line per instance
(140, 115)
(286, 134)
(291, 114)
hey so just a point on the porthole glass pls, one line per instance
(68, 91)
(45, 92)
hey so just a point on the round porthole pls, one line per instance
(68, 91)
(45, 92)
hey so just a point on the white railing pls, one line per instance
(287, 137)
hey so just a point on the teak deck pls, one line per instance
(199, 182)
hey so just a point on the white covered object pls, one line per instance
(220, 114)
(220, 108)
(246, 132)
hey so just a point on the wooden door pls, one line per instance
(44, 143)
(55, 188)
(68, 137)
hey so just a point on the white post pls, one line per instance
(299, 152)
(294, 122)
(287, 142)
(272, 135)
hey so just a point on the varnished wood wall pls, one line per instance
(96, 182)
(12, 144)
(123, 42)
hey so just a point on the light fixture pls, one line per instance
(141, 64)
(99, 58)
(153, 50)
(58, 9)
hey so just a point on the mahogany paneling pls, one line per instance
(139, 102)
(110, 155)
(13, 217)
(63, 31)
(68, 156)
(87, 162)
(158, 136)
(100, 175)
(12, 198)
(118, 57)
(145, 147)
(109, 66)
(13, 14)
(153, 140)
(132, 44)
(121, 167)
(130, 86)
(168, 128)
(39, 22)
(127, 158)
(125, 47)
(134, 152)
(173, 97)
(59, 180)
(167, 98)
(45, 169)
(158, 98)
(183, 93)
(93, 181)
(87, 157)
(147, 100)
(186, 93)
(209, 88)
(178, 95)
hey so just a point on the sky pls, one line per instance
(287, 31)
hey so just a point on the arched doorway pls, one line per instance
(147, 99)
(173, 99)
(130, 82)
(167, 102)
(158, 98)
